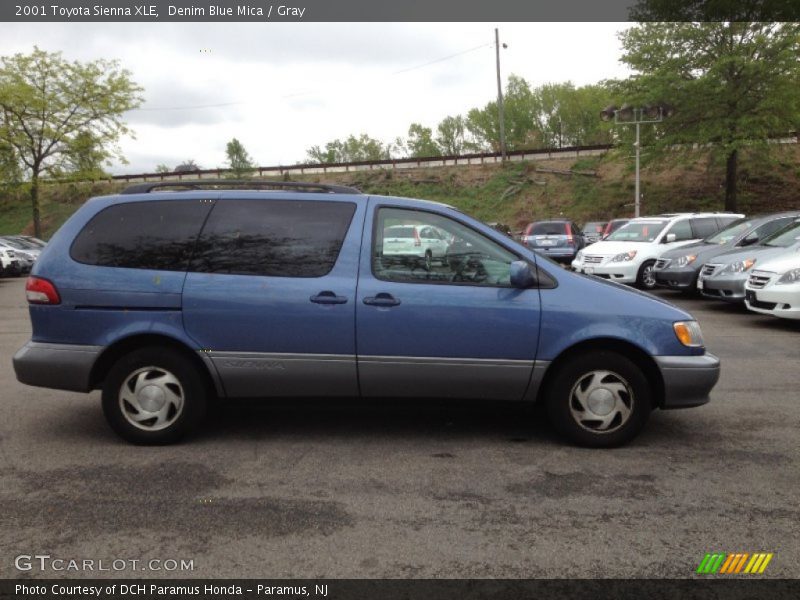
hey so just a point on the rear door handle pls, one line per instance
(382, 299)
(328, 297)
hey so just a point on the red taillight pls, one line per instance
(417, 241)
(41, 291)
(569, 234)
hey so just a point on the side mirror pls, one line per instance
(671, 237)
(749, 241)
(521, 275)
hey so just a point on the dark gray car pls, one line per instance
(724, 277)
(679, 269)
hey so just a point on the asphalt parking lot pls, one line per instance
(417, 491)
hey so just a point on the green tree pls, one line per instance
(238, 159)
(351, 149)
(733, 85)
(47, 102)
(85, 157)
(420, 142)
(162, 168)
(451, 135)
(10, 169)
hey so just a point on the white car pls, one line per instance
(774, 288)
(424, 242)
(9, 265)
(630, 253)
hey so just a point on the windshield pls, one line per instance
(731, 231)
(788, 236)
(13, 244)
(637, 231)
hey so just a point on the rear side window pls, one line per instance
(142, 235)
(278, 238)
(704, 227)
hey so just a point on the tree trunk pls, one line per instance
(37, 226)
(731, 172)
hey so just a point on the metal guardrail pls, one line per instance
(393, 164)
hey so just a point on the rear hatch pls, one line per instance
(546, 235)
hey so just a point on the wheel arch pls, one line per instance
(627, 349)
(128, 344)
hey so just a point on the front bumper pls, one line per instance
(622, 272)
(677, 278)
(688, 380)
(777, 300)
(57, 366)
(730, 289)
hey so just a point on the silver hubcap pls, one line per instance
(601, 402)
(151, 398)
(648, 277)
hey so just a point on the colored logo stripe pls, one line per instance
(724, 563)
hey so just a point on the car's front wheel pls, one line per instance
(599, 399)
(646, 278)
(154, 396)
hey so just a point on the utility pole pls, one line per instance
(500, 110)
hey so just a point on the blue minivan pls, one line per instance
(166, 299)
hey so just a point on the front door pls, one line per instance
(451, 327)
(270, 295)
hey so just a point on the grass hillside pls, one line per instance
(592, 188)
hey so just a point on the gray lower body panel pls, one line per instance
(264, 375)
(435, 377)
(688, 380)
(57, 366)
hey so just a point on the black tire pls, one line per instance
(645, 279)
(428, 260)
(168, 374)
(563, 406)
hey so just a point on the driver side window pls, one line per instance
(413, 246)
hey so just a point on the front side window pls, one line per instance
(682, 231)
(142, 235)
(278, 238)
(403, 252)
(703, 227)
(783, 238)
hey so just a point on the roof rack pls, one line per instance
(300, 186)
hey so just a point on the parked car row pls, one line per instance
(18, 253)
(723, 256)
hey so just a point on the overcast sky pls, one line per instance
(282, 88)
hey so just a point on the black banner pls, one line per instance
(381, 11)
(733, 588)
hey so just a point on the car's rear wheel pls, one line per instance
(154, 396)
(599, 399)
(646, 278)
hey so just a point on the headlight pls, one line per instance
(688, 333)
(579, 256)
(624, 257)
(685, 260)
(740, 266)
(792, 276)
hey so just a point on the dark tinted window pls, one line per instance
(142, 235)
(682, 231)
(548, 228)
(279, 238)
(768, 229)
(704, 227)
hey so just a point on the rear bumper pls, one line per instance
(688, 380)
(57, 366)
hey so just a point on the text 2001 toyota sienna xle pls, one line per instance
(163, 299)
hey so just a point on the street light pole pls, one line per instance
(637, 198)
(500, 110)
(628, 115)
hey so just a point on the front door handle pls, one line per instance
(382, 299)
(328, 297)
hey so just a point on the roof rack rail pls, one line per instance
(196, 184)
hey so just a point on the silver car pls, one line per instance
(723, 277)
